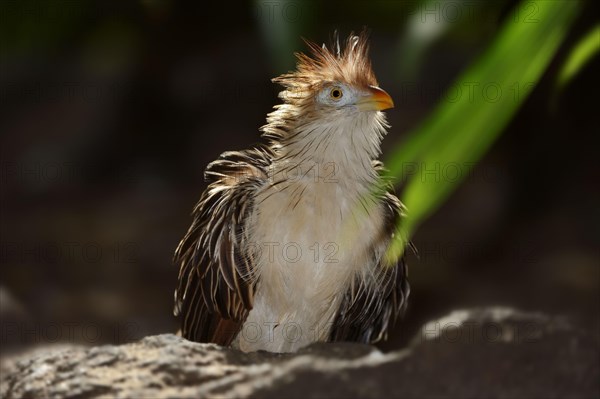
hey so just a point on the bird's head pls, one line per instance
(330, 86)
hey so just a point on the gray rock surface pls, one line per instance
(485, 353)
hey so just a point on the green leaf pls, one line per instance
(476, 109)
(583, 52)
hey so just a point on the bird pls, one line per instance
(289, 243)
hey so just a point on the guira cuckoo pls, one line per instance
(288, 242)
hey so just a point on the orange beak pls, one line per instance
(376, 100)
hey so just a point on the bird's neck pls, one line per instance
(329, 151)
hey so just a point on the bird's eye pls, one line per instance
(336, 93)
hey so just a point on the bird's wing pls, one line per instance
(216, 281)
(370, 308)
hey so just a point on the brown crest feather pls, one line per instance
(349, 64)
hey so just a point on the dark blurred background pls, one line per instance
(111, 110)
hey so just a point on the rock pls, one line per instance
(494, 352)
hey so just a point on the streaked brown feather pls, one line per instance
(216, 284)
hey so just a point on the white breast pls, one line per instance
(314, 236)
(314, 226)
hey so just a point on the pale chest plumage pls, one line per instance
(314, 228)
